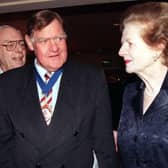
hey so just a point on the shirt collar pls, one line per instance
(1, 71)
(41, 70)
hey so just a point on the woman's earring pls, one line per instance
(156, 57)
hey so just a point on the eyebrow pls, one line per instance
(7, 41)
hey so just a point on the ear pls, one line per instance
(29, 42)
(161, 46)
(159, 51)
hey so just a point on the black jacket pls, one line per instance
(143, 139)
(81, 121)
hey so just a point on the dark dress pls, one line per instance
(143, 139)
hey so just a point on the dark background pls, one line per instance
(93, 37)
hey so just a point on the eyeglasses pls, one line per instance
(11, 45)
(56, 39)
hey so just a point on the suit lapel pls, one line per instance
(161, 99)
(28, 118)
(138, 99)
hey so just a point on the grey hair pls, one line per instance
(3, 27)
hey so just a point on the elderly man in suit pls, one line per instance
(57, 112)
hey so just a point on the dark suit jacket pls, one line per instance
(143, 139)
(81, 121)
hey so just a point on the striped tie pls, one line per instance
(46, 102)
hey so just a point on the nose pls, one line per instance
(53, 45)
(122, 51)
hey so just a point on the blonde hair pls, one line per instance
(154, 18)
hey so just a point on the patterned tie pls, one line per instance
(46, 102)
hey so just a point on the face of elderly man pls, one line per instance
(49, 45)
(12, 48)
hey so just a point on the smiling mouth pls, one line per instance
(18, 58)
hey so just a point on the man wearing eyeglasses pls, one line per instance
(57, 112)
(12, 48)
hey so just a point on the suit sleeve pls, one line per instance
(6, 140)
(102, 133)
